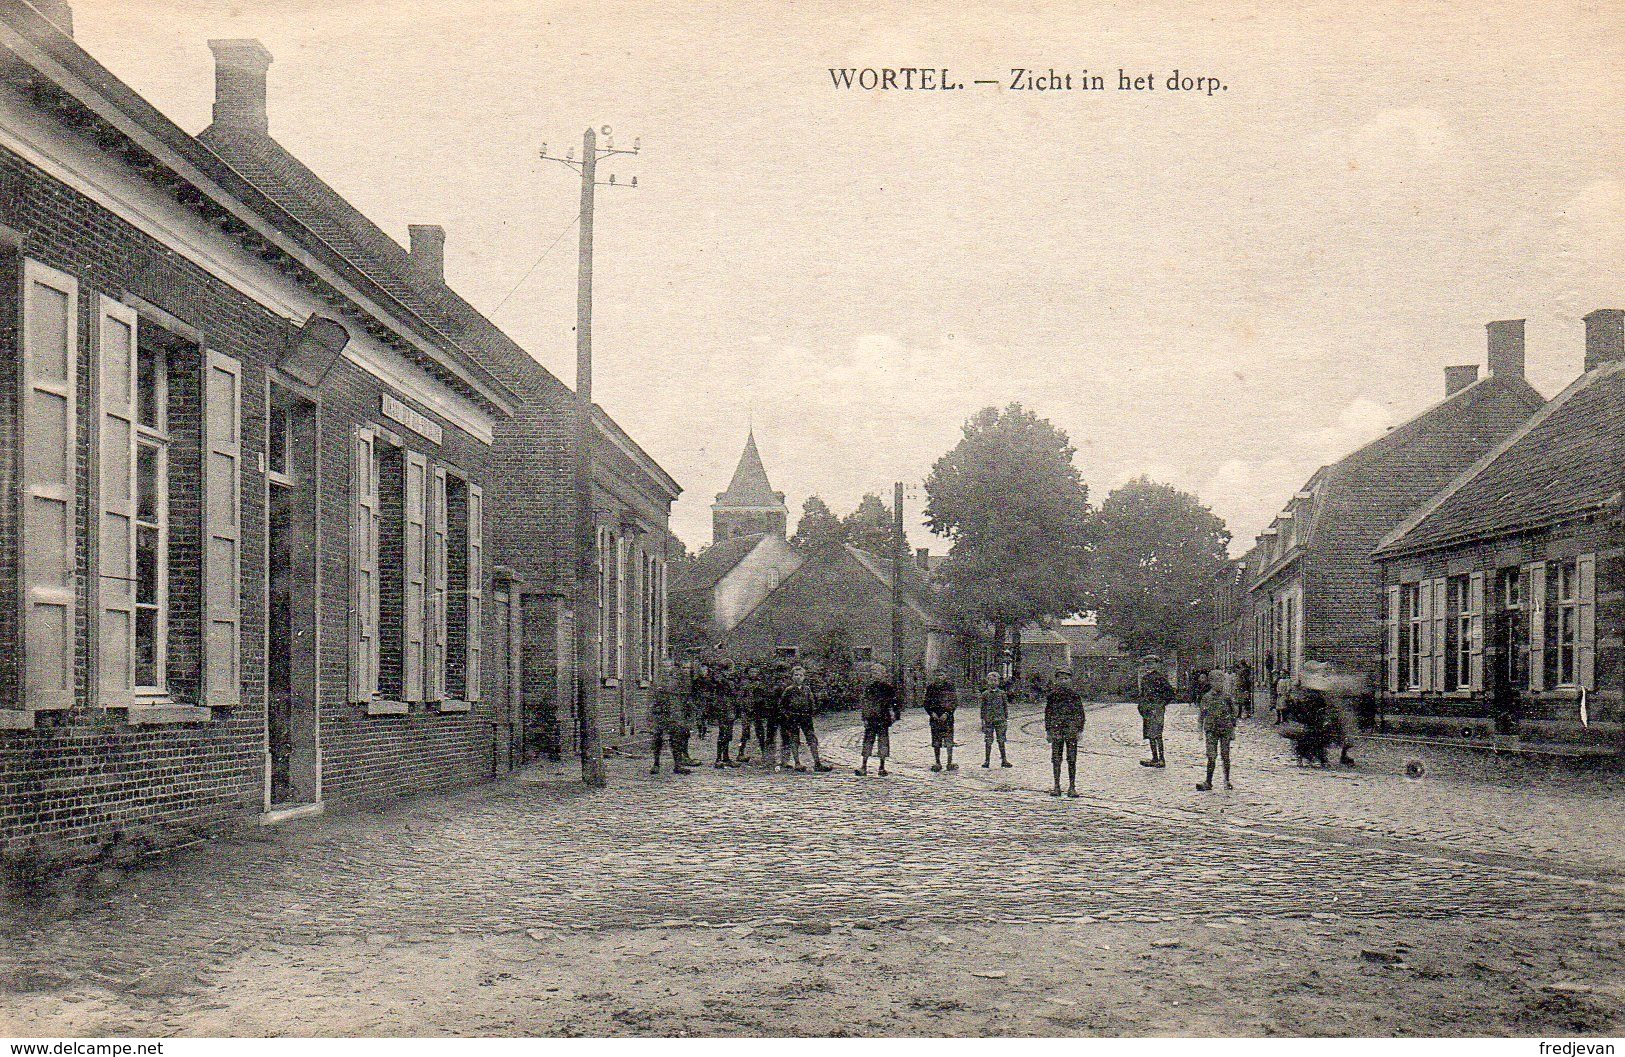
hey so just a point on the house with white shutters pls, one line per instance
(243, 557)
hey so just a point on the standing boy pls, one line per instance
(941, 699)
(1156, 694)
(667, 717)
(995, 719)
(1218, 727)
(879, 712)
(797, 706)
(1063, 725)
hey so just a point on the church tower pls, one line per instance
(749, 507)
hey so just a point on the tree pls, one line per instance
(870, 526)
(818, 526)
(1017, 512)
(1158, 555)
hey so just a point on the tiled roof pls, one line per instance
(716, 562)
(1568, 459)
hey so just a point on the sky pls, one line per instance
(1220, 291)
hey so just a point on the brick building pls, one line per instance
(533, 526)
(1503, 593)
(243, 566)
(1313, 590)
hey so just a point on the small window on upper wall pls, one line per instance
(788, 652)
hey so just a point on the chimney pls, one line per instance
(1506, 348)
(429, 249)
(1605, 337)
(239, 84)
(1458, 378)
(57, 13)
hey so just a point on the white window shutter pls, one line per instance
(434, 652)
(417, 520)
(1441, 610)
(476, 592)
(364, 568)
(1475, 595)
(1535, 604)
(1585, 568)
(1393, 638)
(1424, 662)
(222, 530)
(115, 545)
(49, 474)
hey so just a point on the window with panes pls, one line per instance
(1459, 634)
(152, 459)
(1565, 587)
(1410, 636)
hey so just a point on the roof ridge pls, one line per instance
(1488, 459)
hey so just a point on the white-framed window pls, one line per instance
(604, 558)
(1565, 580)
(1459, 663)
(619, 656)
(1412, 629)
(151, 518)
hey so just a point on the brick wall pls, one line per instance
(80, 778)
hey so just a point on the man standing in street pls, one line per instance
(879, 705)
(941, 699)
(1063, 725)
(797, 706)
(668, 718)
(995, 719)
(1218, 711)
(1156, 694)
(753, 711)
(724, 701)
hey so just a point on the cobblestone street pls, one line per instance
(1481, 898)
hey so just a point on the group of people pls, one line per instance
(773, 707)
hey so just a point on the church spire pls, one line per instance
(750, 506)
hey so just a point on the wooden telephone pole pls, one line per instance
(587, 617)
(899, 556)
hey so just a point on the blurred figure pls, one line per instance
(724, 702)
(668, 718)
(798, 703)
(753, 713)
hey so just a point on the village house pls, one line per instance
(244, 570)
(1312, 591)
(1503, 592)
(533, 526)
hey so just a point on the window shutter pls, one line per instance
(1475, 595)
(1535, 577)
(434, 652)
(222, 530)
(476, 591)
(49, 419)
(620, 606)
(364, 568)
(1393, 638)
(1424, 603)
(115, 550)
(1585, 568)
(416, 515)
(1441, 610)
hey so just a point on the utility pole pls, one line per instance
(587, 617)
(899, 555)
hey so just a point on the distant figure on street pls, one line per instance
(941, 699)
(1063, 725)
(723, 702)
(880, 711)
(995, 719)
(1218, 711)
(1244, 689)
(797, 706)
(669, 719)
(1283, 695)
(1156, 694)
(753, 713)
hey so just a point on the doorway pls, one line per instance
(293, 767)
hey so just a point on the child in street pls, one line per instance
(879, 712)
(1218, 711)
(1063, 725)
(941, 699)
(995, 719)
